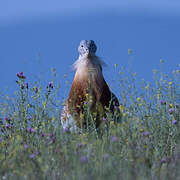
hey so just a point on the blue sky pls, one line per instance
(54, 29)
(20, 9)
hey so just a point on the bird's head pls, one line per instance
(87, 48)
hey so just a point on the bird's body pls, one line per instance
(89, 89)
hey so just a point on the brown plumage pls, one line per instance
(89, 89)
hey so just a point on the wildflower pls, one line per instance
(66, 130)
(85, 103)
(79, 145)
(138, 99)
(114, 139)
(111, 123)
(25, 146)
(36, 152)
(162, 102)
(20, 75)
(163, 160)
(121, 108)
(7, 119)
(129, 51)
(32, 156)
(116, 107)
(81, 115)
(83, 159)
(171, 110)
(42, 135)
(7, 126)
(55, 150)
(170, 83)
(147, 87)
(30, 130)
(174, 122)
(104, 119)
(50, 135)
(106, 156)
(170, 105)
(146, 133)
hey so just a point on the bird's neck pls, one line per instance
(88, 69)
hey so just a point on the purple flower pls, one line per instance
(55, 151)
(174, 122)
(50, 135)
(146, 133)
(32, 156)
(162, 102)
(20, 75)
(36, 152)
(85, 102)
(83, 159)
(26, 146)
(106, 156)
(79, 145)
(30, 130)
(42, 135)
(7, 126)
(104, 119)
(163, 160)
(66, 130)
(114, 139)
(171, 110)
(116, 107)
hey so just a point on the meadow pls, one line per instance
(144, 145)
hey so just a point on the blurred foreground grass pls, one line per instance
(145, 145)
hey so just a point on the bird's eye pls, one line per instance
(81, 45)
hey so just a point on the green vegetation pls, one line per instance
(145, 145)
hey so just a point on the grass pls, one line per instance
(145, 145)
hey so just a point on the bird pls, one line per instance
(89, 96)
